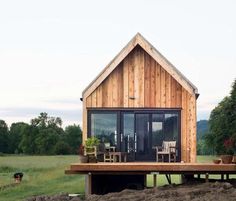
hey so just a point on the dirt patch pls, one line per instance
(195, 192)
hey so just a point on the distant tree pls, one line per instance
(27, 143)
(223, 122)
(46, 140)
(15, 136)
(3, 137)
(44, 121)
(49, 133)
(62, 148)
(44, 135)
(73, 136)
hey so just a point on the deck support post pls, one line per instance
(154, 180)
(88, 184)
(222, 177)
(227, 176)
(207, 177)
(199, 176)
(183, 179)
(168, 177)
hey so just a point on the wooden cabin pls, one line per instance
(139, 100)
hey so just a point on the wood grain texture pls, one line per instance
(153, 167)
(140, 82)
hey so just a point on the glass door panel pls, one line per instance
(127, 135)
(157, 129)
(142, 140)
(104, 127)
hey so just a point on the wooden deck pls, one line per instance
(103, 178)
(149, 167)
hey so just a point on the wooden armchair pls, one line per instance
(108, 149)
(167, 148)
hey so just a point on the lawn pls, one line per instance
(42, 175)
(45, 175)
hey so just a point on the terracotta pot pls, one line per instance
(226, 159)
(234, 159)
(83, 159)
(217, 161)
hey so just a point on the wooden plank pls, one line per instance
(158, 85)
(94, 98)
(173, 93)
(105, 93)
(163, 88)
(152, 78)
(141, 78)
(147, 70)
(184, 126)
(193, 138)
(136, 77)
(120, 84)
(131, 79)
(168, 90)
(84, 133)
(109, 89)
(89, 101)
(188, 117)
(126, 82)
(99, 96)
(153, 166)
(178, 95)
(115, 88)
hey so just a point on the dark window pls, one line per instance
(104, 127)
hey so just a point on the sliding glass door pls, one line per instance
(136, 132)
(127, 136)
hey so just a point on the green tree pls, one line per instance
(15, 136)
(62, 148)
(4, 138)
(44, 121)
(73, 136)
(49, 133)
(27, 143)
(223, 122)
(46, 140)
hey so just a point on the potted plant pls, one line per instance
(82, 158)
(91, 149)
(229, 151)
(92, 141)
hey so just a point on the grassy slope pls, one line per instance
(42, 175)
(45, 175)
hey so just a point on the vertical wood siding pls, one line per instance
(139, 81)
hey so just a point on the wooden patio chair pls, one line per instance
(168, 148)
(108, 149)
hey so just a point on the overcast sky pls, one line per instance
(51, 50)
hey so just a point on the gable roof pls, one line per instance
(138, 39)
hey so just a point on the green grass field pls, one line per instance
(45, 175)
(42, 175)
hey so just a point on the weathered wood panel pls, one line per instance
(131, 80)
(158, 85)
(139, 81)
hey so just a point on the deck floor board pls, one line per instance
(85, 168)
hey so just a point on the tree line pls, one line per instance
(221, 138)
(44, 136)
